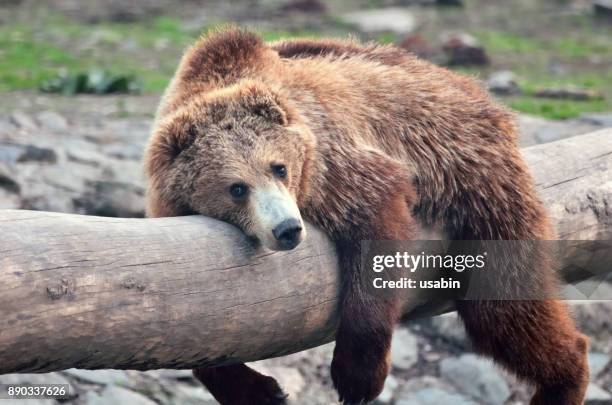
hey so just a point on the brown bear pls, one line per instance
(367, 142)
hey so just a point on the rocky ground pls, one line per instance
(82, 155)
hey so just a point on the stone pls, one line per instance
(602, 8)
(593, 319)
(6, 126)
(22, 120)
(536, 130)
(101, 377)
(464, 50)
(454, 3)
(433, 396)
(85, 157)
(447, 327)
(111, 199)
(569, 93)
(9, 201)
(116, 395)
(30, 401)
(43, 378)
(417, 45)
(171, 374)
(388, 392)
(8, 181)
(595, 395)
(184, 394)
(32, 153)
(503, 83)
(428, 390)
(476, 377)
(600, 119)
(404, 349)
(305, 6)
(52, 121)
(393, 19)
(289, 378)
(598, 363)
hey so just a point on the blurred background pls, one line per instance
(80, 81)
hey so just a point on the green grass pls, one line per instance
(555, 109)
(497, 41)
(33, 52)
(29, 54)
(25, 63)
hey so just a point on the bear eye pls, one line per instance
(239, 190)
(279, 171)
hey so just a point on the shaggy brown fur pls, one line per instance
(374, 141)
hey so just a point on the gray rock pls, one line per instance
(596, 395)
(130, 151)
(430, 391)
(597, 363)
(171, 374)
(8, 200)
(289, 378)
(29, 401)
(22, 120)
(463, 49)
(602, 8)
(33, 153)
(600, 119)
(593, 319)
(476, 377)
(433, 396)
(404, 349)
(44, 378)
(85, 157)
(8, 181)
(6, 126)
(111, 199)
(184, 394)
(537, 130)
(456, 3)
(116, 395)
(52, 121)
(393, 19)
(388, 392)
(101, 377)
(447, 327)
(503, 83)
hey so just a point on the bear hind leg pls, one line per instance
(536, 340)
(239, 384)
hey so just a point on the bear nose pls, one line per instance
(287, 233)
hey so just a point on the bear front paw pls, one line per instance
(359, 378)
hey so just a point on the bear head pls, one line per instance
(239, 154)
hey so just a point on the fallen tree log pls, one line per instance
(91, 292)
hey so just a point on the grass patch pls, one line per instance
(31, 54)
(25, 63)
(555, 109)
(497, 41)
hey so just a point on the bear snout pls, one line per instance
(288, 233)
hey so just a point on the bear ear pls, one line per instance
(266, 104)
(271, 112)
(177, 135)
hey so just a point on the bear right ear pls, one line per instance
(270, 110)
(261, 101)
(173, 137)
